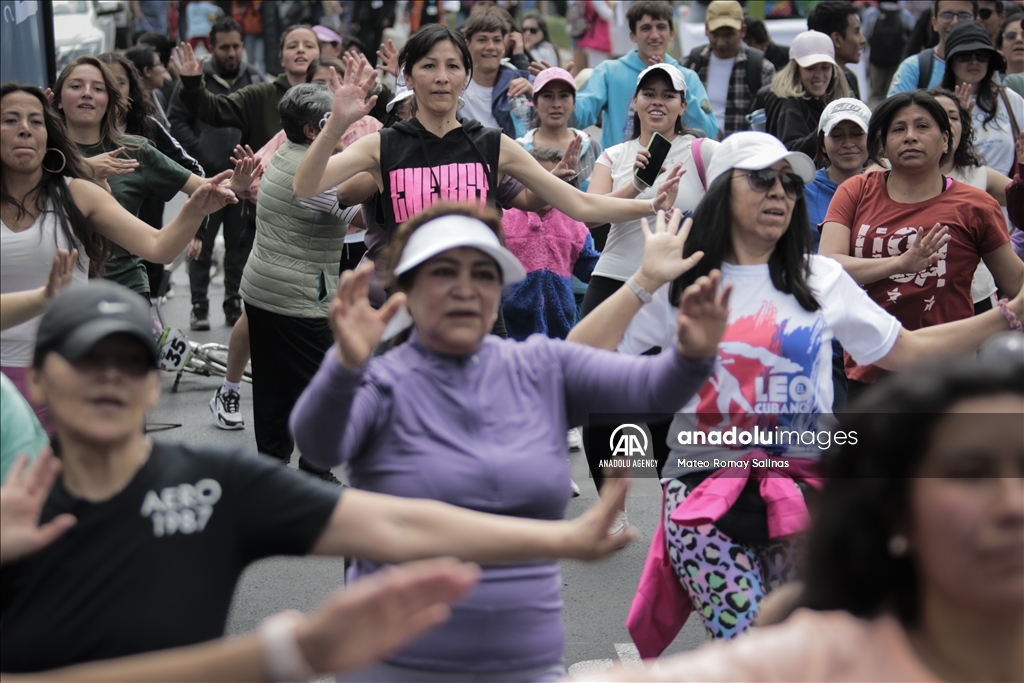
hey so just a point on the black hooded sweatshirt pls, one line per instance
(418, 168)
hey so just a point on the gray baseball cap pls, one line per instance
(82, 316)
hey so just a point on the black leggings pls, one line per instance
(599, 289)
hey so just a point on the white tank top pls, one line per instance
(25, 260)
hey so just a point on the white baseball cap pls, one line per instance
(454, 231)
(675, 76)
(812, 47)
(844, 109)
(753, 151)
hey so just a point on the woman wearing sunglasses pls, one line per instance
(773, 366)
(1010, 42)
(912, 236)
(997, 112)
(537, 39)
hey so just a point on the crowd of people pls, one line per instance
(446, 279)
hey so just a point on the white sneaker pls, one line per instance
(575, 439)
(227, 409)
(620, 523)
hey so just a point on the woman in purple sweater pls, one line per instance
(460, 416)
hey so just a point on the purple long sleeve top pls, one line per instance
(484, 432)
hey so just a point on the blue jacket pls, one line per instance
(818, 196)
(501, 108)
(610, 88)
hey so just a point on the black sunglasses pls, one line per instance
(764, 180)
(982, 56)
(531, 30)
(985, 13)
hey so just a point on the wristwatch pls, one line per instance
(641, 293)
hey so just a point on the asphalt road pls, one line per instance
(596, 595)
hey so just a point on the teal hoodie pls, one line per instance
(610, 88)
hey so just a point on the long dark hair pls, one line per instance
(867, 495)
(712, 233)
(140, 104)
(966, 154)
(881, 121)
(52, 193)
(988, 90)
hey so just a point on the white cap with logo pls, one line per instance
(753, 151)
(844, 109)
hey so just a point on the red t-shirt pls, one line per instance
(880, 227)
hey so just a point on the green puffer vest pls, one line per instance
(293, 267)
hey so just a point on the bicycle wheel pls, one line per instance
(216, 358)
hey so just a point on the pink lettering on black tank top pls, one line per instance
(415, 189)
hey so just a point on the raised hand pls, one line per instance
(537, 67)
(589, 537)
(963, 93)
(387, 58)
(520, 86)
(515, 38)
(663, 251)
(185, 57)
(925, 252)
(350, 95)
(61, 272)
(110, 164)
(567, 168)
(356, 325)
(669, 190)
(213, 195)
(703, 314)
(247, 169)
(21, 503)
(382, 612)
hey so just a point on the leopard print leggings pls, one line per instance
(725, 580)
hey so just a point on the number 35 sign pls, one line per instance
(174, 350)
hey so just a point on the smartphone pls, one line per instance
(659, 148)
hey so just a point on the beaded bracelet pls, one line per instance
(1010, 316)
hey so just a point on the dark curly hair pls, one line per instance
(966, 154)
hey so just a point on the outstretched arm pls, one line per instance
(110, 219)
(518, 163)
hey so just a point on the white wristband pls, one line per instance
(641, 293)
(284, 659)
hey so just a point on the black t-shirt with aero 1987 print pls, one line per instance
(155, 566)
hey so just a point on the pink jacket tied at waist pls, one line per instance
(661, 604)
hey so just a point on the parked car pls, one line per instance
(83, 27)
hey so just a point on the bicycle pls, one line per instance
(179, 354)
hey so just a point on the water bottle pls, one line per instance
(522, 110)
(757, 120)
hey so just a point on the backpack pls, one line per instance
(888, 39)
(576, 22)
(755, 61)
(925, 65)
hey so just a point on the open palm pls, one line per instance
(350, 94)
(703, 315)
(663, 250)
(357, 327)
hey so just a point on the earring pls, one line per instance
(898, 545)
(63, 160)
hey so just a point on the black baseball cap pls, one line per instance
(82, 316)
